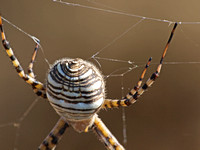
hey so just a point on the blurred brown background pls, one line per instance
(167, 117)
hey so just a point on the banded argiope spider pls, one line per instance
(76, 90)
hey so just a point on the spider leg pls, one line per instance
(108, 103)
(30, 67)
(38, 87)
(55, 135)
(105, 135)
(31, 73)
(134, 94)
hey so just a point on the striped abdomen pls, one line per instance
(75, 88)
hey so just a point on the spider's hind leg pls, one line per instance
(38, 87)
(54, 136)
(105, 135)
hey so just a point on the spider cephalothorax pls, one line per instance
(76, 90)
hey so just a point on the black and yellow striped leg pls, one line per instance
(135, 94)
(109, 103)
(30, 67)
(38, 87)
(55, 135)
(42, 93)
(105, 135)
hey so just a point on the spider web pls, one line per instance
(120, 70)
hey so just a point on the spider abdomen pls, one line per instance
(75, 88)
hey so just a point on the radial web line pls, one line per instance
(18, 122)
(124, 126)
(116, 60)
(170, 63)
(94, 57)
(102, 5)
(110, 11)
(189, 38)
(117, 38)
(35, 39)
(124, 13)
(7, 124)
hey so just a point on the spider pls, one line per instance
(76, 90)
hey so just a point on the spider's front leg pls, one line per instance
(38, 87)
(42, 92)
(135, 93)
(54, 136)
(30, 67)
(105, 135)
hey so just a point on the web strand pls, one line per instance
(35, 39)
(17, 124)
(110, 11)
(117, 38)
(102, 5)
(123, 13)
(123, 71)
(123, 115)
